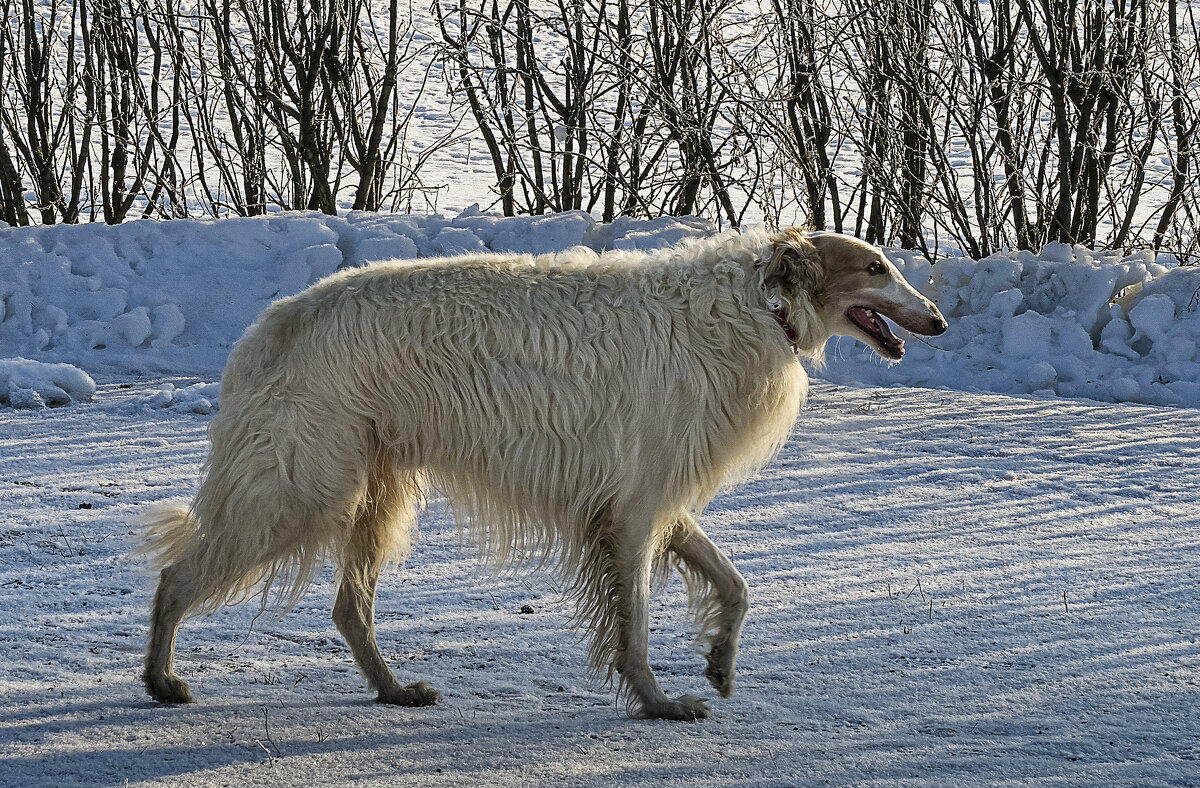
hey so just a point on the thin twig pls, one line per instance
(267, 730)
(63, 534)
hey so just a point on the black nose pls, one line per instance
(939, 326)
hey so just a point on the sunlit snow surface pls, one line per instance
(948, 587)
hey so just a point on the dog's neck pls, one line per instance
(778, 311)
(780, 315)
(796, 317)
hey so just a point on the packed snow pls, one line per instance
(979, 566)
(945, 589)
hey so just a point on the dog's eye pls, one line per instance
(877, 268)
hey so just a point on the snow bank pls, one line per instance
(1068, 322)
(173, 297)
(34, 384)
(150, 296)
(157, 297)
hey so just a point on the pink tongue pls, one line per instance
(882, 326)
(874, 324)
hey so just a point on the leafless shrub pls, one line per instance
(169, 108)
(45, 139)
(619, 105)
(977, 127)
(531, 110)
(229, 122)
(940, 125)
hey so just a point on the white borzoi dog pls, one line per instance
(584, 413)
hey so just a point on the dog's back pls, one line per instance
(533, 397)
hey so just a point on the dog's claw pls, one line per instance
(719, 670)
(691, 708)
(420, 693)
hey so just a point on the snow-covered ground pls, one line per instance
(946, 589)
(950, 584)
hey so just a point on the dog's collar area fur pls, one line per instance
(780, 314)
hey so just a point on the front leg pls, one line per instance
(645, 698)
(718, 597)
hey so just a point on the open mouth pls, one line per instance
(874, 326)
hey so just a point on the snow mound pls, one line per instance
(198, 398)
(151, 295)
(33, 384)
(173, 297)
(626, 233)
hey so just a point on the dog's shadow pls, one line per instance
(114, 744)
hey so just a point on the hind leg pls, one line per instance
(717, 595)
(178, 590)
(381, 528)
(354, 613)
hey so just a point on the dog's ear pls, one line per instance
(795, 265)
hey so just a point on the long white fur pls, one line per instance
(566, 408)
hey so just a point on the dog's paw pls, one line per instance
(168, 688)
(685, 707)
(719, 670)
(721, 678)
(420, 693)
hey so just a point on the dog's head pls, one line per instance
(845, 286)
